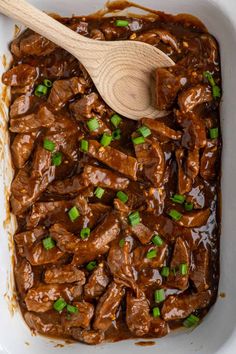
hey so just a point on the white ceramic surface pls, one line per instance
(217, 333)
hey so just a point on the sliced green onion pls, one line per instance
(183, 268)
(84, 145)
(134, 218)
(139, 140)
(72, 309)
(173, 271)
(93, 124)
(91, 266)
(144, 131)
(116, 135)
(151, 254)
(191, 321)
(122, 23)
(175, 215)
(57, 158)
(73, 213)
(165, 271)
(216, 92)
(48, 243)
(49, 145)
(47, 83)
(156, 312)
(60, 304)
(178, 198)
(122, 196)
(188, 206)
(214, 133)
(209, 77)
(99, 192)
(157, 240)
(116, 120)
(122, 242)
(85, 233)
(41, 90)
(159, 295)
(106, 139)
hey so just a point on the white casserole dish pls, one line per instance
(217, 333)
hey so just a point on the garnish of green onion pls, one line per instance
(106, 139)
(122, 23)
(122, 196)
(93, 124)
(134, 218)
(41, 90)
(60, 304)
(165, 271)
(157, 240)
(191, 321)
(216, 92)
(183, 268)
(99, 192)
(139, 140)
(116, 135)
(91, 266)
(49, 145)
(57, 158)
(214, 133)
(175, 215)
(151, 254)
(188, 206)
(156, 312)
(122, 242)
(48, 243)
(84, 145)
(85, 233)
(209, 77)
(73, 213)
(116, 120)
(47, 83)
(72, 309)
(144, 131)
(178, 198)
(159, 295)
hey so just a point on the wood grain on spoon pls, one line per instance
(122, 71)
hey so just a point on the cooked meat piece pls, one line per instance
(22, 148)
(184, 182)
(143, 233)
(194, 218)
(81, 27)
(209, 161)
(71, 186)
(192, 163)
(119, 262)
(37, 255)
(194, 96)
(141, 261)
(101, 177)
(41, 162)
(87, 336)
(80, 319)
(97, 282)
(42, 298)
(155, 199)
(121, 207)
(177, 307)
(22, 106)
(162, 129)
(32, 43)
(64, 274)
(44, 323)
(200, 274)
(27, 238)
(26, 190)
(167, 88)
(64, 90)
(107, 307)
(138, 318)
(20, 75)
(112, 32)
(154, 36)
(97, 34)
(117, 160)
(87, 106)
(181, 255)
(211, 49)
(151, 156)
(24, 276)
(158, 327)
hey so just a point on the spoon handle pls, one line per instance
(81, 47)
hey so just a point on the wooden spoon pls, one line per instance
(122, 71)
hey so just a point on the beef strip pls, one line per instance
(22, 148)
(87, 106)
(24, 276)
(80, 319)
(200, 274)
(140, 260)
(64, 274)
(137, 314)
(47, 325)
(143, 233)
(97, 282)
(88, 336)
(70, 186)
(20, 75)
(162, 129)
